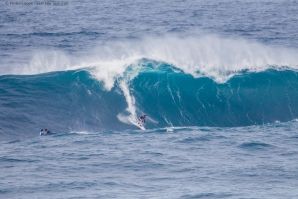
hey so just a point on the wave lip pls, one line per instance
(214, 56)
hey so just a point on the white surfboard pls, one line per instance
(137, 123)
(140, 125)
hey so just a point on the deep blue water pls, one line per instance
(217, 80)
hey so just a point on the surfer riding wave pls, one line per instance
(142, 118)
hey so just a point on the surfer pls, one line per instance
(46, 131)
(142, 118)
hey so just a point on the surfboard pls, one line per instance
(137, 123)
(140, 125)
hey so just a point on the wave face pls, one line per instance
(75, 100)
(178, 99)
(60, 101)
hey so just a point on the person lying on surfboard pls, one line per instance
(142, 118)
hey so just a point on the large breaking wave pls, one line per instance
(75, 100)
(204, 81)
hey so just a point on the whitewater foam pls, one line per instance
(210, 55)
(82, 133)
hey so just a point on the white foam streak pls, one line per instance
(82, 132)
(129, 99)
(108, 72)
(123, 118)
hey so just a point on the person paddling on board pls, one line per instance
(142, 118)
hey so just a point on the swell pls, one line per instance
(75, 101)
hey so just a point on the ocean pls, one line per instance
(218, 81)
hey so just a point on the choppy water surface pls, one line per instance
(250, 162)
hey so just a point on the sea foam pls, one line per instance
(213, 56)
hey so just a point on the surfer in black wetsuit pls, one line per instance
(142, 118)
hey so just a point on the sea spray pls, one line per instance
(214, 56)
